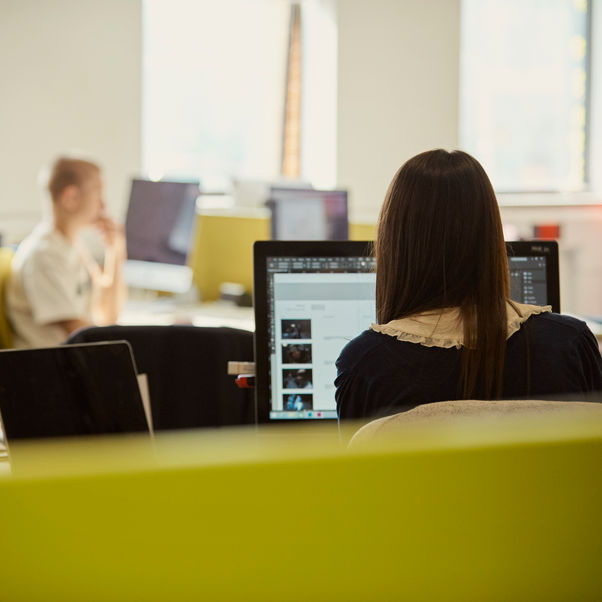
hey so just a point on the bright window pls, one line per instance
(213, 76)
(524, 92)
(214, 81)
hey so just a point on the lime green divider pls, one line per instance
(471, 511)
(362, 230)
(223, 248)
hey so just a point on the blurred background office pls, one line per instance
(334, 93)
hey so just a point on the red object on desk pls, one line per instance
(245, 381)
(547, 231)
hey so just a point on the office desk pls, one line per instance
(165, 312)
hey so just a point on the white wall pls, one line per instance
(71, 78)
(398, 85)
(398, 89)
(579, 248)
(71, 73)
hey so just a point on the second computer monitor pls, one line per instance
(160, 220)
(159, 229)
(308, 214)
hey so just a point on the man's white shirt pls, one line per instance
(50, 283)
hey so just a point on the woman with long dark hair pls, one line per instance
(446, 326)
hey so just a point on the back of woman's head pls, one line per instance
(440, 244)
(440, 241)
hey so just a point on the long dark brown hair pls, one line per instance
(440, 244)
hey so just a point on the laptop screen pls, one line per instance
(312, 298)
(71, 390)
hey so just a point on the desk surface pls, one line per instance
(164, 312)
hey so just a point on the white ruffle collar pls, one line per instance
(444, 328)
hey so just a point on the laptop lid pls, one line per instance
(312, 297)
(72, 390)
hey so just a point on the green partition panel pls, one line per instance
(478, 510)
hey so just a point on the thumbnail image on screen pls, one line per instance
(297, 402)
(296, 354)
(296, 329)
(297, 379)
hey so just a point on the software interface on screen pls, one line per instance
(316, 306)
(308, 214)
(528, 280)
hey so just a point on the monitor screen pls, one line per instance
(160, 221)
(315, 302)
(534, 278)
(528, 280)
(308, 214)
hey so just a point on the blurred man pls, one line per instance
(56, 286)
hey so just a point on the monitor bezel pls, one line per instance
(286, 248)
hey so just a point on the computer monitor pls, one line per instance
(312, 297)
(308, 214)
(534, 275)
(159, 229)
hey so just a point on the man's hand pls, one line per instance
(109, 286)
(113, 236)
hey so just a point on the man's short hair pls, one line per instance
(69, 172)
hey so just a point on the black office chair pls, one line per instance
(186, 367)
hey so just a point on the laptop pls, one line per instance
(312, 297)
(159, 230)
(72, 390)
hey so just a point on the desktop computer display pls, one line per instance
(311, 298)
(159, 229)
(308, 214)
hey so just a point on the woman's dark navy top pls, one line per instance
(549, 356)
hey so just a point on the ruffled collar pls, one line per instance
(444, 328)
